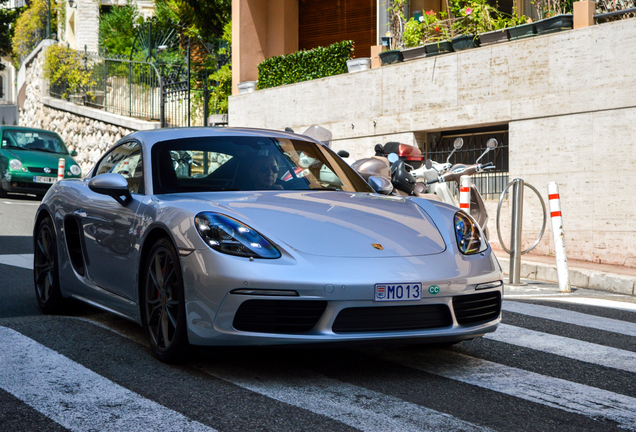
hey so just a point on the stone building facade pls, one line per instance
(567, 99)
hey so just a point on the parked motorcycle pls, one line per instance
(394, 168)
(437, 177)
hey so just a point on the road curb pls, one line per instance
(579, 277)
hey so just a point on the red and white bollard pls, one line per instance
(559, 237)
(464, 193)
(60, 169)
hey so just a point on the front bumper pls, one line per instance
(338, 285)
(24, 183)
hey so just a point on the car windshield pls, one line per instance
(249, 163)
(33, 140)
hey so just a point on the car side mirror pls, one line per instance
(381, 185)
(111, 184)
(73, 153)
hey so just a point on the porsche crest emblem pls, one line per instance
(378, 246)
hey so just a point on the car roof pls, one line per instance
(25, 128)
(153, 136)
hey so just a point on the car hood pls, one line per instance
(338, 224)
(39, 159)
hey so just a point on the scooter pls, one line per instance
(394, 169)
(438, 177)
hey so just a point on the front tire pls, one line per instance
(46, 269)
(163, 303)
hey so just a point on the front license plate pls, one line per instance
(398, 292)
(40, 179)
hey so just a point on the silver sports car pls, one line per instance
(251, 237)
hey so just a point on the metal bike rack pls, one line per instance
(516, 227)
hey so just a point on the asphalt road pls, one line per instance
(557, 362)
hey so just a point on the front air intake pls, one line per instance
(392, 318)
(278, 316)
(477, 308)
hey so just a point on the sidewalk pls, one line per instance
(583, 274)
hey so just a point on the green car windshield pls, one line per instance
(33, 140)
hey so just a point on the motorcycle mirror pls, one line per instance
(393, 158)
(490, 144)
(428, 164)
(379, 150)
(458, 143)
(343, 153)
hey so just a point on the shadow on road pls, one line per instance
(16, 245)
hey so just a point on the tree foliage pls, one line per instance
(8, 17)
(63, 67)
(30, 29)
(204, 18)
(223, 76)
(117, 29)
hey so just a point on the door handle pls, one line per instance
(80, 213)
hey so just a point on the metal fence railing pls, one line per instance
(490, 183)
(175, 94)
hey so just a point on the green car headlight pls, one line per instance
(225, 234)
(75, 170)
(469, 237)
(15, 165)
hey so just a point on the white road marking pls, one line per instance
(355, 406)
(566, 298)
(554, 392)
(21, 203)
(18, 260)
(76, 397)
(566, 347)
(571, 317)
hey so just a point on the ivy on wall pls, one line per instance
(305, 65)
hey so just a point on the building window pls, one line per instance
(2, 81)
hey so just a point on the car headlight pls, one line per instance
(75, 170)
(227, 235)
(469, 237)
(15, 165)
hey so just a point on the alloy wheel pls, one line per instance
(163, 305)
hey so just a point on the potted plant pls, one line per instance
(412, 37)
(556, 15)
(391, 56)
(437, 32)
(555, 23)
(522, 31)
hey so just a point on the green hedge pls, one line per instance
(305, 65)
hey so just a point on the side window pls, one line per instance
(125, 160)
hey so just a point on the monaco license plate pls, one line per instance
(398, 292)
(40, 179)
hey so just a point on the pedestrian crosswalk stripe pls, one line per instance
(554, 392)
(604, 303)
(76, 397)
(18, 260)
(566, 347)
(363, 409)
(571, 317)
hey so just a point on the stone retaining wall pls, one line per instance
(86, 130)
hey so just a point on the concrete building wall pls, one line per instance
(568, 98)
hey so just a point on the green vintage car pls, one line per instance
(29, 160)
